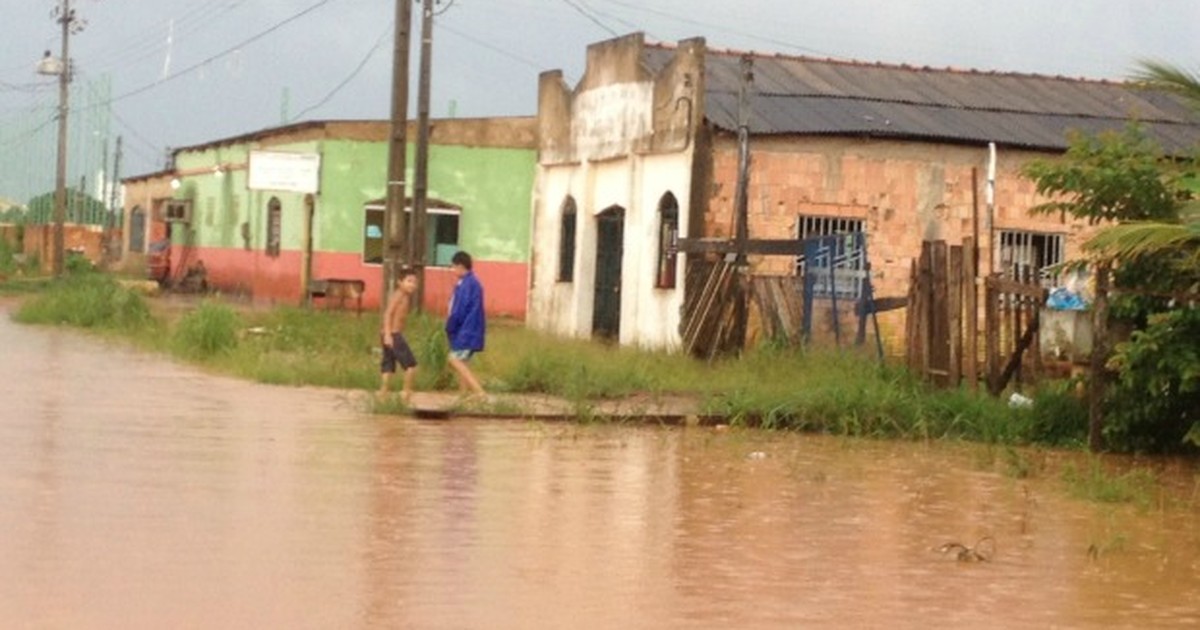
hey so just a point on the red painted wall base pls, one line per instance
(277, 279)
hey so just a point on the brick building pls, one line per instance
(645, 149)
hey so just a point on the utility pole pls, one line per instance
(421, 172)
(66, 19)
(114, 199)
(741, 202)
(395, 252)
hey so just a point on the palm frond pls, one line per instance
(1132, 240)
(1164, 76)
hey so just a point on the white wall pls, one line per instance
(649, 316)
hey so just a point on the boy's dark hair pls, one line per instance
(461, 258)
(404, 273)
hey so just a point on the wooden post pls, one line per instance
(971, 308)
(954, 304)
(912, 317)
(1096, 381)
(939, 347)
(925, 290)
(991, 325)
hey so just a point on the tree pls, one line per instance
(1125, 178)
(1131, 241)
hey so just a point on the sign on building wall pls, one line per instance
(279, 170)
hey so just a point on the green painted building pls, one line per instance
(267, 212)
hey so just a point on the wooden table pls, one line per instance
(339, 289)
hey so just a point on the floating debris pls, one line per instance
(983, 551)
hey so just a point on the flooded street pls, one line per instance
(139, 493)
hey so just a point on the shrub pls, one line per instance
(87, 301)
(1058, 417)
(1155, 401)
(210, 330)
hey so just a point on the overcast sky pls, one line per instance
(488, 53)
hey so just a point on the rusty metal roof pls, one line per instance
(802, 95)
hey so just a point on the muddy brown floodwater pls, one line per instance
(138, 493)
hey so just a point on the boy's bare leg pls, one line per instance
(385, 379)
(466, 379)
(407, 392)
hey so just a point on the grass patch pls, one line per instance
(88, 300)
(210, 330)
(849, 394)
(1094, 483)
(841, 393)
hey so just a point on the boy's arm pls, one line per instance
(388, 315)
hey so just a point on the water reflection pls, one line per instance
(145, 495)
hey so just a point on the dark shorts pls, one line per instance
(398, 353)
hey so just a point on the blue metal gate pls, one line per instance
(836, 271)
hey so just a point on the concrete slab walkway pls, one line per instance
(659, 408)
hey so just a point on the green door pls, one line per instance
(606, 311)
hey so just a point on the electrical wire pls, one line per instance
(23, 136)
(181, 29)
(717, 27)
(479, 42)
(357, 69)
(582, 11)
(232, 49)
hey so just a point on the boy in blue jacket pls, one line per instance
(465, 325)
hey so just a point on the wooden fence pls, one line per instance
(942, 331)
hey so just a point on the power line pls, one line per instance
(582, 11)
(718, 27)
(5, 142)
(153, 152)
(227, 51)
(28, 87)
(182, 28)
(361, 64)
(479, 42)
(631, 25)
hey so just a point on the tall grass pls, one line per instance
(8, 262)
(87, 300)
(1095, 483)
(843, 393)
(847, 393)
(210, 330)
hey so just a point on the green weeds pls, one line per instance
(773, 387)
(1095, 483)
(87, 301)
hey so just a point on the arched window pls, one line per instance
(137, 230)
(274, 226)
(668, 241)
(566, 243)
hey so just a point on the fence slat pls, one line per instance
(954, 306)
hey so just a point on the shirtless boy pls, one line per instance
(395, 346)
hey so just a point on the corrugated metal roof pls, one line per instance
(799, 95)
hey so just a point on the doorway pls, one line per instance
(610, 241)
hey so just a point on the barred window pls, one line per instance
(809, 226)
(1027, 256)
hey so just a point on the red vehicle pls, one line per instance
(158, 262)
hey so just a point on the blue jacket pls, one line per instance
(465, 324)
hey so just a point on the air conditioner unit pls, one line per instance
(178, 211)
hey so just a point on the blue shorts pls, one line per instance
(462, 355)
